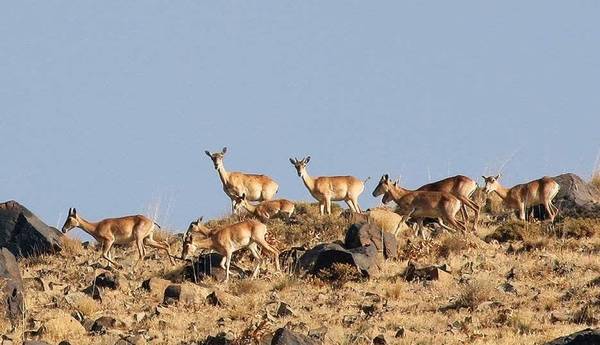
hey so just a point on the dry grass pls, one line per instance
(70, 246)
(595, 180)
(552, 270)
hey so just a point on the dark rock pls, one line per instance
(400, 333)
(414, 272)
(104, 323)
(107, 280)
(209, 265)
(289, 259)
(379, 340)
(325, 255)
(284, 309)
(359, 235)
(94, 292)
(284, 336)
(64, 342)
(172, 294)
(184, 293)
(585, 337)
(156, 286)
(507, 287)
(24, 234)
(221, 298)
(11, 293)
(222, 338)
(318, 333)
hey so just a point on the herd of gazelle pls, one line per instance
(441, 200)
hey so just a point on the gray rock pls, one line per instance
(24, 234)
(11, 294)
(325, 255)
(107, 280)
(284, 336)
(414, 272)
(379, 340)
(585, 337)
(359, 235)
(576, 198)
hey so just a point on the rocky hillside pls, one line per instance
(507, 283)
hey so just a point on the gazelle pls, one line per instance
(227, 240)
(330, 188)
(256, 187)
(521, 196)
(138, 229)
(422, 204)
(266, 209)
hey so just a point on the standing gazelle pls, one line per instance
(138, 229)
(256, 187)
(330, 188)
(521, 196)
(227, 240)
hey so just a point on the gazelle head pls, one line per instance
(383, 186)
(217, 157)
(196, 227)
(71, 222)
(239, 203)
(491, 183)
(300, 165)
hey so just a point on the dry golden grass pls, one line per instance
(595, 180)
(551, 269)
(70, 246)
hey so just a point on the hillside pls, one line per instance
(525, 285)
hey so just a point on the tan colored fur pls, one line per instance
(256, 187)
(385, 219)
(228, 239)
(124, 230)
(266, 209)
(330, 188)
(422, 204)
(521, 196)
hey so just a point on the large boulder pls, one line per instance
(585, 337)
(24, 234)
(576, 198)
(209, 265)
(11, 287)
(325, 255)
(359, 235)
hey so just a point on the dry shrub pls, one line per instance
(522, 323)
(248, 287)
(287, 282)
(339, 274)
(86, 305)
(472, 294)
(451, 244)
(596, 178)
(70, 246)
(394, 290)
(586, 314)
(577, 227)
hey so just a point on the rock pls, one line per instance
(400, 333)
(284, 309)
(11, 288)
(156, 286)
(64, 327)
(585, 337)
(64, 342)
(318, 333)
(35, 342)
(349, 320)
(24, 234)
(187, 294)
(507, 287)
(359, 235)
(132, 340)
(379, 340)
(428, 273)
(220, 298)
(576, 198)
(104, 323)
(107, 280)
(94, 292)
(289, 259)
(209, 265)
(325, 255)
(284, 336)
(138, 317)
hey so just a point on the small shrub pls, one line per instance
(472, 294)
(586, 314)
(70, 246)
(248, 287)
(86, 305)
(451, 244)
(577, 227)
(596, 178)
(340, 274)
(521, 324)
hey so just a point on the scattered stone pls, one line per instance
(318, 333)
(284, 336)
(359, 235)
(508, 288)
(427, 273)
(379, 340)
(63, 327)
(325, 255)
(184, 293)
(104, 323)
(94, 292)
(107, 280)
(156, 286)
(132, 340)
(138, 317)
(11, 287)
(220, 298)
(284, 309)
(223, 321)
(349, 320)
(64, 342)
(587, 336)
(559, 317)
(222, 338)
(400, 333)
(24, 234)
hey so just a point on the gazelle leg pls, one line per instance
(322, 208)
(106, 250)
(549, 211)
(263, 243)
(227, 265)
(223, 262)
(356, 205)
(257, 257)
(522, 211)
(164, 246)
(140, 247)
(350, 205)
(328, 205)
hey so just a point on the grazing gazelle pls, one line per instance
(138, 229)
(422, 204)
(521, 196)
(256, 187)
(266, 209)
(330, 188)
(227, 240)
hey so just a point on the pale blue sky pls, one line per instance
(108, 105)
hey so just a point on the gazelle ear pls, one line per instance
(243, 196)
(208, 154)
(70, 211)
(307, 159)
(386, 177)
(199, 220)
(224, 150)
(497, 176)
(292, 161)
(74, 211)
(483, 177)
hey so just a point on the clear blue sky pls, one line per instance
(108, 106)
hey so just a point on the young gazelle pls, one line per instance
(138, 229)
(266, 209)
(422, 204)
(256, 187)
(227, 240)
(330, 188)
(521, 196)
